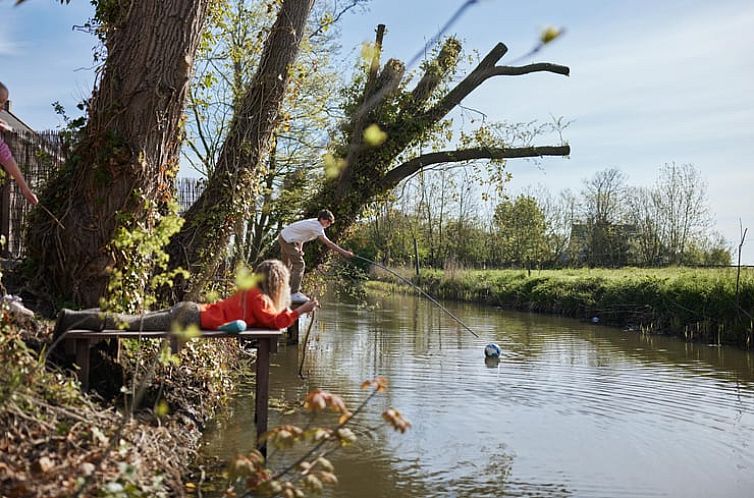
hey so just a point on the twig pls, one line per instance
(51, 216)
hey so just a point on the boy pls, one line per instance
(291, 240)
(6, 158)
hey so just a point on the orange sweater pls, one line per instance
(251, 306)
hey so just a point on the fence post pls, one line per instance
(5, 217)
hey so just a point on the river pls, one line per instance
(572, 409)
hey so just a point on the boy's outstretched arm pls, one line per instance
(335, 247)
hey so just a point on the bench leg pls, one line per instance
(293, 333)
(175, 345)
(82, 360)
(262, 390)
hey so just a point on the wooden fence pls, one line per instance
(40, 156)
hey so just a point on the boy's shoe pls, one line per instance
(299, 297)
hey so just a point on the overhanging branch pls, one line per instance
(397, 174)
(529, 68)
(484, 70)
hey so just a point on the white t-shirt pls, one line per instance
(302, 231)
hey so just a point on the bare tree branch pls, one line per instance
(529, 68)
(397, 174)
(487, 69)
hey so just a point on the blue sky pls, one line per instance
(651, 82)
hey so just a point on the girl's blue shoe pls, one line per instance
(233, 327)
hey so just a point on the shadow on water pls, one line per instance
(572, 409)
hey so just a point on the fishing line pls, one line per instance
(442, 31)
(420, 290)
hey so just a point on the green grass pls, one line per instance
(698, 304)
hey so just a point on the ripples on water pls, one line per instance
(571, 410)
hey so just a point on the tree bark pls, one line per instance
(123, 165)
(232, 187)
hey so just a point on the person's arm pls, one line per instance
(6, 159)
(335, 247)
(308, 306)
(266, 316)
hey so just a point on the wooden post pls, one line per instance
(293, 333)
(262, 390)
(175, 345)
(82, 360)
(5, 217)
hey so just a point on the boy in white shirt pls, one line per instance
(291, 240)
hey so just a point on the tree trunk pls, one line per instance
(231, 189)
(123, 165)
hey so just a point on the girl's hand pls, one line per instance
(308, 306)
(31, 197)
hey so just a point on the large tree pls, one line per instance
(120, 169)
(226, 64)
(233, 186)
(366, 169)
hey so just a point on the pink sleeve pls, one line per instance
(5, 154)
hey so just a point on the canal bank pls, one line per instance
(703, 305)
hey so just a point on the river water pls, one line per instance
(572, 409)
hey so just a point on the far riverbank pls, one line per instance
(696, 304)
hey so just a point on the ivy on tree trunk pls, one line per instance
(120, 169)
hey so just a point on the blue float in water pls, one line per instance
(492, 350)
(595, 319)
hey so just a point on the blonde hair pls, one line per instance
(275, 282)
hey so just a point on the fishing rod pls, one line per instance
(306, 341)
(420, 290)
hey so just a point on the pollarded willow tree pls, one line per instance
(226, 63)
(119, 173)
(234, 183)
(369, 162)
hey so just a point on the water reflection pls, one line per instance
(572, 409)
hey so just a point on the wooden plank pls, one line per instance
(135, 334)
(262, 392)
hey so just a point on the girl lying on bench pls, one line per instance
(264, 306)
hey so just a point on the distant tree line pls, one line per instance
(608, 223)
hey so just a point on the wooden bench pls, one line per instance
(79, 343)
